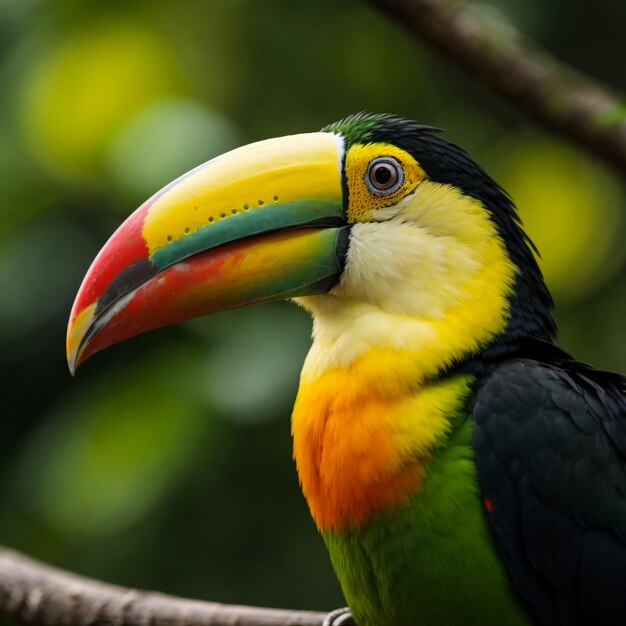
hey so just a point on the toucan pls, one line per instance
(461, 468)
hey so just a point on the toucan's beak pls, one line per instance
(263, 222)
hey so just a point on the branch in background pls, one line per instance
(34, 593)
(529, 79)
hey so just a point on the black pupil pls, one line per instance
(383, 174)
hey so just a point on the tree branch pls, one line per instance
(549, 92)
(35, 593)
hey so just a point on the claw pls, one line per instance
(339, 617)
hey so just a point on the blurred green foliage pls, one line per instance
(167, 462)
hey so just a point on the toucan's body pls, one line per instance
(400, 568)
(461, 468)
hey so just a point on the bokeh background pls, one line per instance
(166, 463)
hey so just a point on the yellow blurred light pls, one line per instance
(570, 207)
(84, 88)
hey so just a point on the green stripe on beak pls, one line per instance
(294, 214)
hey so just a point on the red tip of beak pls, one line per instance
(124, 247)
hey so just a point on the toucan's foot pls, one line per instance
(339, 617)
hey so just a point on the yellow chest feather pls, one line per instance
(362, 442)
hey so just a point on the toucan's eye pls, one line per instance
(384, 176)
(378, 175)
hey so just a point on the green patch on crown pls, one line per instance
(357, 128)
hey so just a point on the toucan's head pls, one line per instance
(371, 222)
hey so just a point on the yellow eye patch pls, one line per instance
(362, 200)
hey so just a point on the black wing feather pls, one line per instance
(550, 449)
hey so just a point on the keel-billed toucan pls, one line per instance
(462, 469)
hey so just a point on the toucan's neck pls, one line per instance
(431, 300)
